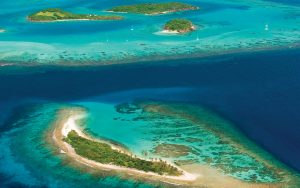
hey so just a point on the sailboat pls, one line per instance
(266, 27)
(197, 39)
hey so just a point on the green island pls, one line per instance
(56, 14)
(154, 8)
(179, 25)
(103, 153)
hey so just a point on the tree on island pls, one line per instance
(179, 25)
(154, 8)
(56, 14)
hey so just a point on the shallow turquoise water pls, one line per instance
(138, 131)
(142, 132)
(27, 161)
(228, 25)
(25, 154)
(247, 91)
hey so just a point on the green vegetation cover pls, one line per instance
(103, 153)
(179, 25)
(55, 14)
(154, 8)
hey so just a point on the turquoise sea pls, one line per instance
(222, 110)
(224, 26)
(252, 98)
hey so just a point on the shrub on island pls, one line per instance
(179, 25)
(154, 8)
(56, 14)
(103, 153)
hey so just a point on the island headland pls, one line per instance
(56, 14)
(179, 25)
(70, 139)
(154, 8)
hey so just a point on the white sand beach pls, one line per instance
(194, 175)
(69, 123)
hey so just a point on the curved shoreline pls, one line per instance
(194, 175)
(167, 31)
(72, 20)
(67, 122)
(157, 13)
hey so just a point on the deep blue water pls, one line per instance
(258, 92)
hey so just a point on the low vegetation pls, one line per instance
(103, 153)
(179, 25)
(56, 14)
(154, 8)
